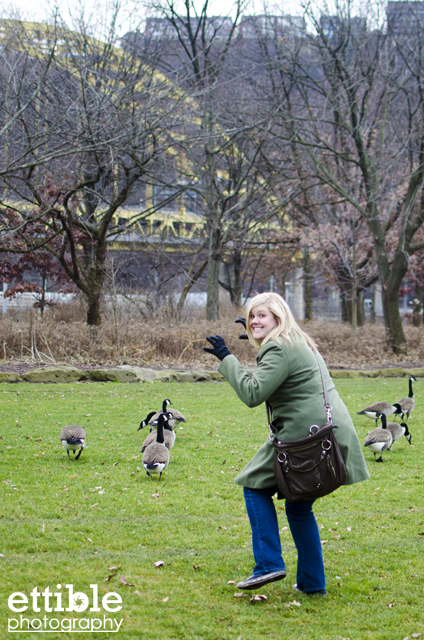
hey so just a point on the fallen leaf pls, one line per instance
(115, 463)
(348, 528)
(258, 597)
(421, 533)
(89, 539)
(112, 568)
(239, 595)
(165, 599)
(231, 582)
(73, 477)
(159, 563)
(391, 605)
(196, 566)
(416, 635)
(2, 555)
(123, 580)
(293, 604)
(324, 541)
(110, 576)
(155, 495)
(137, 593)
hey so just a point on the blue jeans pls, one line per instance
(266, 538)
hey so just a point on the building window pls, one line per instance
(177, 227)
(164, 197)
(193, 201)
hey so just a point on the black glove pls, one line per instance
(243, 336)
(219, 349)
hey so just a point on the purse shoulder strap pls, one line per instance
(328, 407)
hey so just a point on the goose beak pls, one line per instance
(142, 425)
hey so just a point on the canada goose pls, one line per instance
(73, 438)
(397, 430)
(375, 410)
(380, 439)
(176, 415)
(407, 404)
(146, 421)
(168, 435)
(156, 456)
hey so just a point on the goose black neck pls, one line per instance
(164, 405)
(411, 394)
(383, 421)
(159, 433)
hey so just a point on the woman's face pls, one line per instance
(261, 321)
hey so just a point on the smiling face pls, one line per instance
(261, 321)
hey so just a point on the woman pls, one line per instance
(288, 377)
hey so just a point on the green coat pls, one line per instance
(288, 377)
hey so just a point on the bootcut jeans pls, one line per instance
(266, 538)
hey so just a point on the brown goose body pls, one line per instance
(156, 455)
(375, 410)
(176, 415)
(379, 440)
(168, 437)
(73, 437)
(399, 430)
(407, 405)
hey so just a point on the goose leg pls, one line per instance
(79, 453)
(67, 451)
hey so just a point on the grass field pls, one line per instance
(102, 521)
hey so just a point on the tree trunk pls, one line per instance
(416, 316)
(346, 307)
(390, 290)
(373, 293)
(212, 285)
(360, 311)
(307, 285)
(43, 293)
(236, 292)
(354, 303)
(94, 317)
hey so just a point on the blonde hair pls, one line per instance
(286, 328)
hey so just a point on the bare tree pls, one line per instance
(221, 139)
(353, 118)
(82, 150)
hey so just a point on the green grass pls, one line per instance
(55, 526)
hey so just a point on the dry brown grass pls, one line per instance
(125, 337)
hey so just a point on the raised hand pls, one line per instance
(242, 321)
(219, 349)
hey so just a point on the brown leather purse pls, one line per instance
(311, 467)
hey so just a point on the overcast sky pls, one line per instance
(38, 10)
